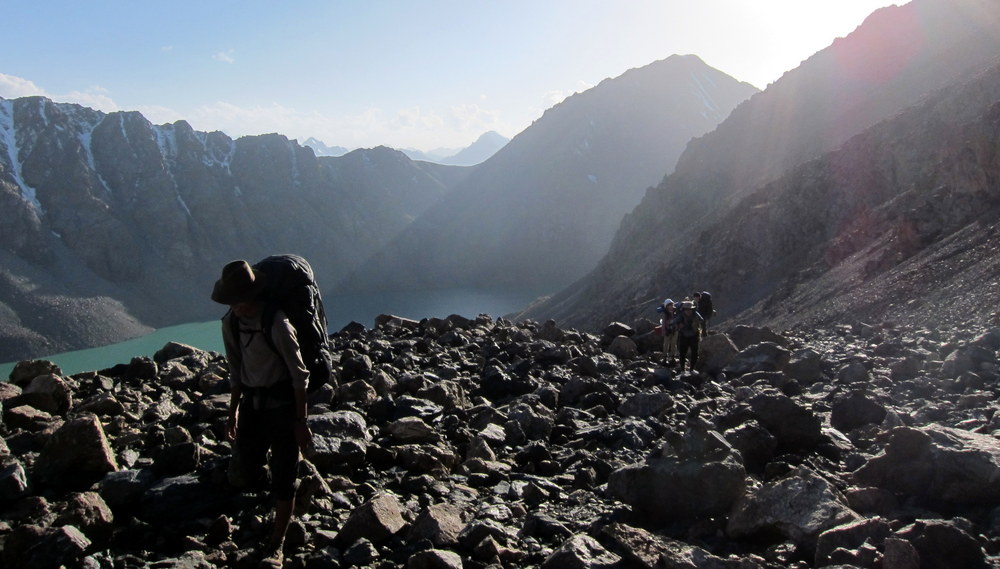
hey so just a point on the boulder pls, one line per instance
(805, 366)
(745, 336)
(54, 548)
(581, 552)
(76, 455)
(434, 559)
(441, 524)
(798, 507)
(25, 371)
(376, 520)
(944, 544)
(941, 465)
(715, 352)
(125, 488)
(13, 482)
(412, 430)
(794, 427)
(856, 409)
(180, 499)
(851, 536)
(648, 550)
(623, 348)
(88, 512)
(765, 356)
(645, 404)
(48, 392)
(669, 489)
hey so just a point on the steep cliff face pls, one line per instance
(108, 206)
(544, 208)
(765, 196)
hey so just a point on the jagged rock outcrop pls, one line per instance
(543, 209)
(476, 444)
(852, 187)
(113, 225)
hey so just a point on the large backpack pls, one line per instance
(705, 305)
(290, 285)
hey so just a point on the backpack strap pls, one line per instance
(266, 323)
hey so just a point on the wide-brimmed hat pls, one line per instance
(239, 283)
(687, 304)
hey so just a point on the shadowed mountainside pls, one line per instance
(544, 209)
(802, 203)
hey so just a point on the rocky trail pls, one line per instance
(482, 443)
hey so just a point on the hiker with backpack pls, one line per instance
(689, 325)
(269, 375)
(703, 303)
(669, 331)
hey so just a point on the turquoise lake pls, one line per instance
(341, 310)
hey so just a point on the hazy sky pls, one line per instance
(408, 74)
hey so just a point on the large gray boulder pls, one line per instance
(795, 428)
(798, 507)
(649, 550)
(581, 552)
(76, 456)
(376, 520)
(715, 352)
(941, 465)
(668, 489)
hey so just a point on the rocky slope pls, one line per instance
(543, 209)
(815, 200)
(479, 443)
(112, 224)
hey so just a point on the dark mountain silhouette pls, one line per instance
(544, 208)
(803, 206)
(112, 225)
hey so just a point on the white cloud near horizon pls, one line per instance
(12, 87)
(95, 97)
(415, 127)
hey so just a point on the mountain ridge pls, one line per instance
(109, 218)
(514, 223)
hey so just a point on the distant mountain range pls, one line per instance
(323, 150)
(479, 151)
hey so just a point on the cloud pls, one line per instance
(12, 87)
(474, 119)
(95, 97)
(225, 56)
(411, 127)
(157, 114)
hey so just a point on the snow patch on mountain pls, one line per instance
(8, 139)
(700, 79)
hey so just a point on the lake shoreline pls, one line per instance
(341, 311)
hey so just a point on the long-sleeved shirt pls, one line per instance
(253, 363)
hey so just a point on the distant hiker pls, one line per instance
(703, 303)
(689, 325)
(669, 331)
(268, 407)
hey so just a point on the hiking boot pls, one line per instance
(272, 555)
